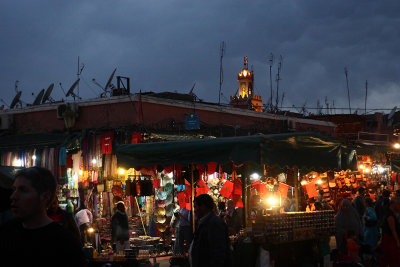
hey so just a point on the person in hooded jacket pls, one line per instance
(347, 219)
(120, 228)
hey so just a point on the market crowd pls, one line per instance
(368, 228)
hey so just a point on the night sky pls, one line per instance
(168, 45)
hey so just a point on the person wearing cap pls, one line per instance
(120, 228)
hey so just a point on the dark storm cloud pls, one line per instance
(169, 44)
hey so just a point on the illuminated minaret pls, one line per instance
(245, 98)
(245, 80)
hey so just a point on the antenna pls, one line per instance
(79, 72)
(16, 100)
(390, 116)
(48, 93)
(191, 90)
(221, 70)
(348, 89)
(271, 62)
(71, 90)
(109, 80)
(327, 105)
(366, 95)
(62, 88)
(38, 98)
(2, 101)
(16, 86)
(278, 78)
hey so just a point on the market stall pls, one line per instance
(234, 163)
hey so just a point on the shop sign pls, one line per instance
(192, 122)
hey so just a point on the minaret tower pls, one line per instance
(245, 80)
(245, 98)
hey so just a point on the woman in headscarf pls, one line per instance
(347, 219)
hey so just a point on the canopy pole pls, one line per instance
(192, 199)
(140, 214)
(245, 195)
(296, 188)
(245, 208)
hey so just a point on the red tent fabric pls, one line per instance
(211, 167)
(310, 189)
(283, 188)
(237, 199)
(237, 190)
(156, 183)
(182, 200)
(227, 189)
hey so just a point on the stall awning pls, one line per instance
(295, 149)
(22, 142)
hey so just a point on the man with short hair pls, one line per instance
(210, 246)
(32, 238)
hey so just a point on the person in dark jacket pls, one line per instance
(359, 202)
(64, 218)
(32, 238)
(210, 246)
(120, 228)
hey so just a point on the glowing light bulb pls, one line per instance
(80, 172)
(34, 157)
(397, 145)
(255, 176)
(94, 161)
(17, 163)
(303, 182)
(272, 201)
(121, 171)
(319, 181)
(361, 167)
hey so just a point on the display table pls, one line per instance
(291, 238)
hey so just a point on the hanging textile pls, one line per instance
(202, 187)
(114, 167)
(211, 167)
(136, 138)
(237, 189)
(62, 161)
(182, 200)
(237, 200)
(310, 189)
(227, 189)
(106, 142)
(283, 189)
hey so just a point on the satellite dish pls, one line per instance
(71, 90)
(110, 79)
(38, 98)
(390, 116)
(16, 100)
(47, 94)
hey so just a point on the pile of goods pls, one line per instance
(296, 226)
